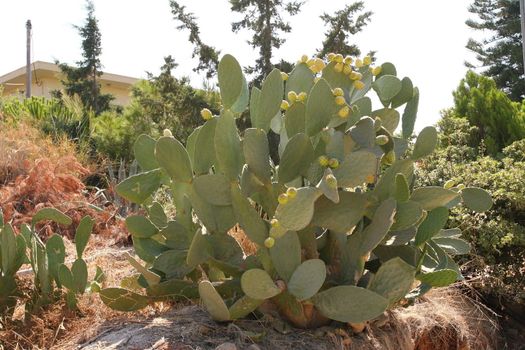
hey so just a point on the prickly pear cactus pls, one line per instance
(341, 233)
(46, 260)
(12, 257)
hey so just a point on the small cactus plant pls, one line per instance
(46, 260)
(341, 232)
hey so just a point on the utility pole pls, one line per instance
(28, 60)
(522, 21)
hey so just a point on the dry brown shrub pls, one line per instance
(22, 144)
(447, 319)
(47, 175)
(444, 319)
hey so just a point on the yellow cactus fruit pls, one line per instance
(304, 59)
(338, 92)
(376, 71)
(318, 65)
(370, 179)
(449, 184)
(348, 60)
(285, 105)
(356, 76)
(333, 163)
(340, 101)
(330, 56)
(310, 62)
(323, 161)
(382, 140)
(292, 96)
(358, 63)
(359, 85)
(284, 76)
(338, 67)
(275, 223)
(206, 114)
(167, 133)
(367, 60)
(347, 70)
(357, 327)
(291, 192)
(339, 58)
(460, 187)
(331, 181)
(344, 112)
(282, 199)
(269, 242)
(302, 96)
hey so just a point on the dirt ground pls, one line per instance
(445, 320)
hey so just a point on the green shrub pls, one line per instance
(112, 135)
(340, 233)
(165, 102)
(58, 118)
(499, 236)
(515, 151)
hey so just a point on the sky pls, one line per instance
(424, 39)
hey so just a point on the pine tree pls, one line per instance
(341, 25)
(500, 55)
(499, 120)
(208, 55)
(264, 19)
(83, 79)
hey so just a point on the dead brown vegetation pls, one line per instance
(21, 145)
(37, 173)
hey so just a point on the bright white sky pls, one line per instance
(424, 39)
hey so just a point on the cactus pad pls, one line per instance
(257, 284)
(350, 304)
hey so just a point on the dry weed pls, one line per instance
(22, 144)
(37, 173)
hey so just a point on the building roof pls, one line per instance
(46, 69)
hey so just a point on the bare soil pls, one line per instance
(445, 319)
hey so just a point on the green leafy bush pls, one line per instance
(515, 151)
(55, 117)
(340, 232)
(112, 135)
(165, 102)
(498, 237)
